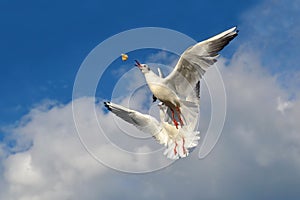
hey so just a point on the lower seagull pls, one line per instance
(178, 141)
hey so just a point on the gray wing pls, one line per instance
(195, 60)
(145, 123)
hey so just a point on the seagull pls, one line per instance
(178, 141)
(189, 69)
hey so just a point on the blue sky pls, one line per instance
(43, 44)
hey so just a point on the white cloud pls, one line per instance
(56, 163)
(283, 105)
(52, 163)
(253, 109)
(21, 171)
(163, 57)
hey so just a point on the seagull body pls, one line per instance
(177, 141)
(190, 68)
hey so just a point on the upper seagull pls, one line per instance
(189, 69)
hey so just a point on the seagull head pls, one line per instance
(162, 106)
(143, 67)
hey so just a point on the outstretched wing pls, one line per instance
(195, 60)
(145, 123)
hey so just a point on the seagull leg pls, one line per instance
(179, 115)
(173, 118)
(183, 148)
(175, 151)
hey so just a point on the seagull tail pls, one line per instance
(182, 146)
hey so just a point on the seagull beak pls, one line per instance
(138, 64)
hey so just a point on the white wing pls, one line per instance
(191, 113)
(145, 123)
(195, 60)
(190, 109)
(161, 75)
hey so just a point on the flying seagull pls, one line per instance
(178, 141)
(190, 68)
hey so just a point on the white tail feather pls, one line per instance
(181, 146)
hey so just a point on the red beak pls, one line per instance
(138, 64)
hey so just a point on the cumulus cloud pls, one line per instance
(54, 165)
(283, 105)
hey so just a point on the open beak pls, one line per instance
(138, 64)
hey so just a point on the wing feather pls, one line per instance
(195, 60)
(145, 123)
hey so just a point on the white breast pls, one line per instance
(164, 94)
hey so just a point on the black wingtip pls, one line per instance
(236, 30)
(197, 89)
(154, 98)
(107, 106)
